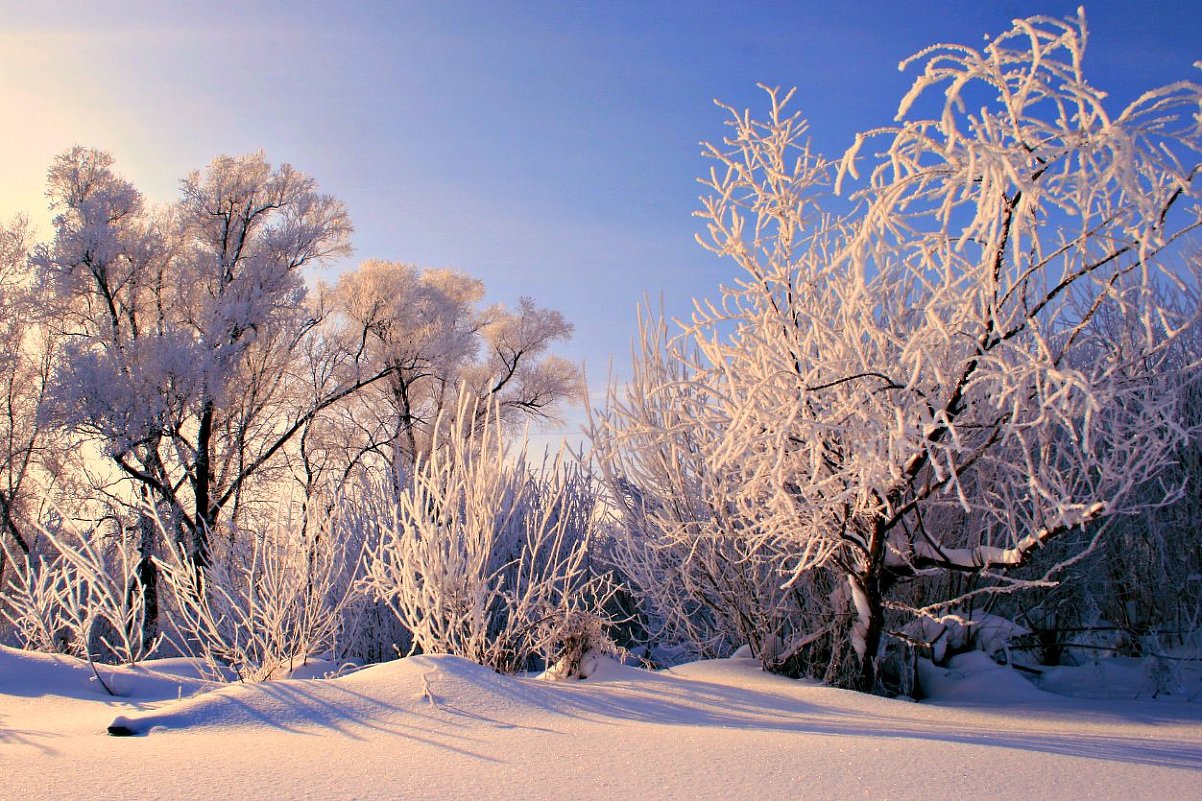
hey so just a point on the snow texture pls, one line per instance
(442, 727)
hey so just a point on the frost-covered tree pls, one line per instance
(438, 344)
(920, 386)
(104, 291)
(248, 231)
(26, 349)
(188, 331)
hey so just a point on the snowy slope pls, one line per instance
(440, 727)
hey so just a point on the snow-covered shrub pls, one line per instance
(266, 602)
(575, 642)
(676, 537)
(481, 556)
(43, 604)
(79, 597)
(948, 635)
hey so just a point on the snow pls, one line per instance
(1127, 678)
(441, 727)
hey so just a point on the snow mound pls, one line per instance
(743, 670)
(974, 678)
(1127, 678)
(446, 692)
(437, 688)
(29, 673)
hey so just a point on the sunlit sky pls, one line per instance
(549, 148)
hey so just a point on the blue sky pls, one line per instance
(549, 148)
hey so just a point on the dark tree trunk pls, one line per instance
(202, 487)
(866, 681)
(10, 524)
(872, 617)
(146, 582)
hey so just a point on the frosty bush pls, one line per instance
(267, 603)
(920, 386)
(43, 604)
(697, 580)
(79, 597)
(479, 555)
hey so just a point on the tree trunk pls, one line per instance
(202, 486)
(10, 525)
(867, 595)
(871, 624)
(146, 582)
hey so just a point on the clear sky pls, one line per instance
(549, 148)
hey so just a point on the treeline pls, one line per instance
(959, 412)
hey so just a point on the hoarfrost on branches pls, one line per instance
(428, 330)
(924, 384)
(482, 557)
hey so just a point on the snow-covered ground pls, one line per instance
(440, 727)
